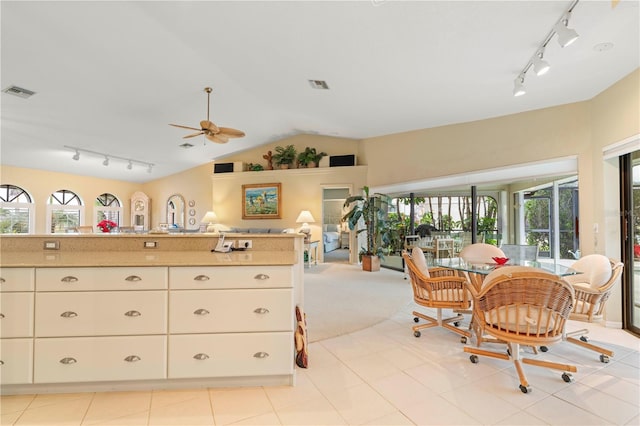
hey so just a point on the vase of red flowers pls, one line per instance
(107, 225)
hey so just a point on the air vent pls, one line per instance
(319, 84)
(186, 145)
(19, 91)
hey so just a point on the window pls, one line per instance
(64, 210)
(16, 210)
(107, 207)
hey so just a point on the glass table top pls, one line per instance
(486, 268)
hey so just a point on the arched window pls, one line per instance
(16, 210)
(107, 207)
(64, 210)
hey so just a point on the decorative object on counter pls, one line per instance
(269, 157)
(256, 167)
(140, 211)
(210, 218)
(192, 203)
(192, 212)
(310, 157)
(305, 217)
(261, 201)
(284, 156)
(107, 225)
(302, 356)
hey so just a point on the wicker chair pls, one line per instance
(522, 306)
(437, 288)
(592, 287)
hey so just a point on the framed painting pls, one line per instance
(261, 201)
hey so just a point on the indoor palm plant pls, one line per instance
(310, 157)
(372, 209)
(284, 156)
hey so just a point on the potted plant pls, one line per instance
(373, 211)
(284, 156)
(310, 157)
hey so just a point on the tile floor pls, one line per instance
(381, 375)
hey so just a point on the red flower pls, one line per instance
(107, 225)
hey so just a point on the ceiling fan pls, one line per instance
(210, 130)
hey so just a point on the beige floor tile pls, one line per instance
(371, 367)
(42, 400)
(521, 419)
(234, 405)
(345, 347)
(64, 411)
(402, 390)
(9, 418)
(135, 419)
(334, 377)
(555, 411)
(401, 357)
(438, 411)
(189, 412)
(267, 419)
(166, 397)
(317, 411)
(610, 408)
(435, 377)
(284, 396)
(319, 356)
(394, 419)
(13, 403)
(107, 406)
(482, 405)
(360, 404)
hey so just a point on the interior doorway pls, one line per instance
(336, 239)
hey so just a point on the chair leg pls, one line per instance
(605, 354)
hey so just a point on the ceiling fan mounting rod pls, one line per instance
(208, 90)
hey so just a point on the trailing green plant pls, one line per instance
(284, 155)
(372, 209)
(310, 157)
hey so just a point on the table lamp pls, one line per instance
(210, 218)
(305, 217)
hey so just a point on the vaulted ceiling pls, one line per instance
(110, 76)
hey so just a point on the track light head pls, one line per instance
(76, 156)
(566, 36)
(540, 66)
(106, 161)
(518, 86)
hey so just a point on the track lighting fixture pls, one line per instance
(108, 158)
(566, 36)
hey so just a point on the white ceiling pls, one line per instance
(110, 76)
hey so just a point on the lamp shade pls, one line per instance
(305, 216)
(209, 218)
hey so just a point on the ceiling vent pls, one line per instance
(19, 91)
(319, 84)
(186, 145)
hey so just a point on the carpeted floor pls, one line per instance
(341, 298)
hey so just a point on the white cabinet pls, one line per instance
(106, 278)
(16, 279)
(16, 314)
(90, 359)
(16, 361)
(218, 277)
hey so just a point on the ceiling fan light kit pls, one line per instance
(566, 36)
(209, 129)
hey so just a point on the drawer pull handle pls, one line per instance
(261, 277)
(69, 279)
(132, 358)
(201, 278)
(132, 313)
(133, 278)
(201, 311)
(68, 360)
(201, 356)
(2, 280)
(261, 310)
(260, 355)
(68, 314)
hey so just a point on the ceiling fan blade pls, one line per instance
(217, 138)
(183, 127)
(208, 125)
(201, 132)
(232, 133)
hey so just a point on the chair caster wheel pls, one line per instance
(417, 333)
(544, 348)
(584, 338)
(416, 319)
(604, 359)
(567, 377)
(473, 359)
(525, 389)
(456, 323)
(508, 351)
(463, 340)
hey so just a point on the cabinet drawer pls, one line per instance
(220, 355)
(207, 311)
(16, 361)
(216, 277)
(17, 279)
(87, 359)
(108, 278)
(101, 313)
(16, 314)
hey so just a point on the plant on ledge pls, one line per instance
(310, 157)
(373, 211)
(107, 225)
(284, 156)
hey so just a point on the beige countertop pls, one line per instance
(144, 258)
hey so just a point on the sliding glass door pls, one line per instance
(630, 208)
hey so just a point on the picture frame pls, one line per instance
(262, 201)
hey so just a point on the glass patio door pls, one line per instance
(630, 208)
